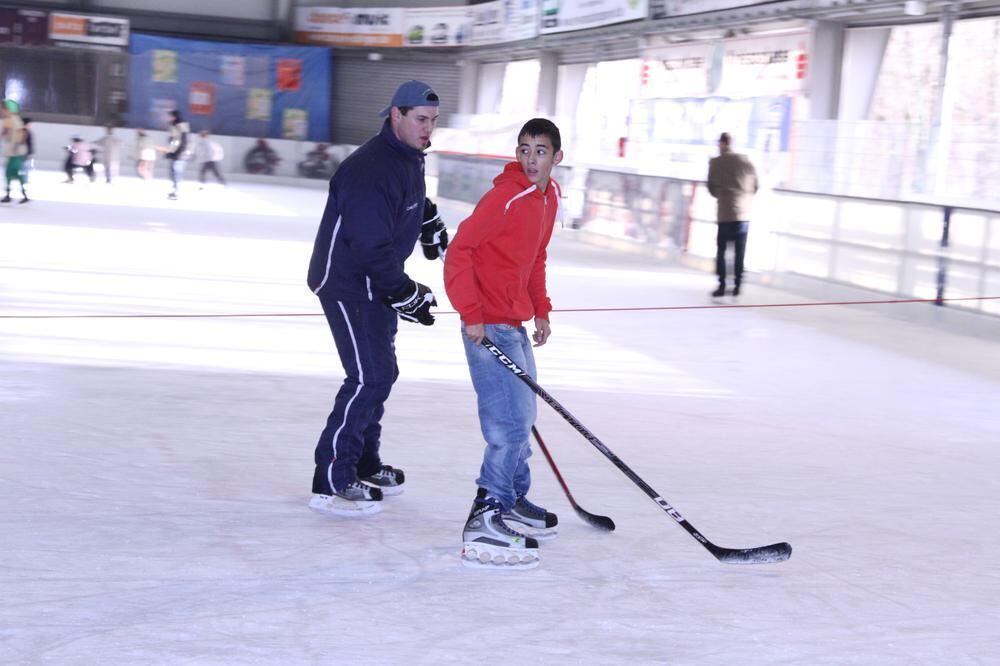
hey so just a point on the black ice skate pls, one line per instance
(536, 521)
(488, 542)
(388, 479)
(357, 499)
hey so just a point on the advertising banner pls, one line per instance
(664, 8)
(24, 27)
(91, 30)
(486, 23)
(251, 90)
(765, 65)
(744, 67)
(355, 26)
(503, 21)
(676, 70)
(564, 15)
(436, 26)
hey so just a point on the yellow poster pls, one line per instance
(164, 66)
(295, 124)
(259, 104)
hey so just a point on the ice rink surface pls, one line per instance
(156, 470)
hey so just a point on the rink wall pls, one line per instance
(51, 138)
(909, 249)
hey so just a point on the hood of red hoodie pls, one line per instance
(513, 174)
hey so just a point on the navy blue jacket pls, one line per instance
(371, 222)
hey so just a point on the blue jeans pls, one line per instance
(176, 172)
(507, 410)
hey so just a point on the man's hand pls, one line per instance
(475, 332)
(413, 303)
(433, 233)
(542, 332)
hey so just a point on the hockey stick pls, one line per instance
(600, 522)
(776, 552)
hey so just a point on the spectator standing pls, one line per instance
(208, 153)
(111, 147)
(145, 155)
(15, 147)
(177, 150)
(732, 180)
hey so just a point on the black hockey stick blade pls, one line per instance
(776, 552)
(600, 522)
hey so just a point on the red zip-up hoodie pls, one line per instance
(494, 272)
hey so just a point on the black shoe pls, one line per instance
(736, 290)
(6, 199)
(25, 199)
(720, 292)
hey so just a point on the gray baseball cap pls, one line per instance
(412, 93)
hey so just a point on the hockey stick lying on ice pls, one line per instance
(776, 552)
(600, 522)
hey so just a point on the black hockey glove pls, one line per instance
(413, 303)
(433, 233)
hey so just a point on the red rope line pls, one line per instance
(451, 312)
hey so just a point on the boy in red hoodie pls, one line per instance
(495, 277)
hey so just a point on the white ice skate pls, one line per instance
(355, 501)
(489, 543)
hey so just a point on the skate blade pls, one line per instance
(494, 558)
(337, 506)
(539, 533)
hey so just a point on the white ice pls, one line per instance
(155, 471)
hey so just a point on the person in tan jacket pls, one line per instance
(732, 180)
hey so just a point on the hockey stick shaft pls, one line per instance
(773, 553)
(601, 522)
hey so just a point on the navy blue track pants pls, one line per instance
(365, 334)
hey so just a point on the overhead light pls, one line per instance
(374, 56)
(915, 7)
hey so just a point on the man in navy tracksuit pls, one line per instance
(374, 215)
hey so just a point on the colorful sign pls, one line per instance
(355, 26)
(565, 15)
(436, 26)
(502, 21)
(201, 99)
(663, 8)
(294, 124)
(233, 70)
(486, 23)
(289, 74)
(164, 66)
(258, 104)
(80, 28)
